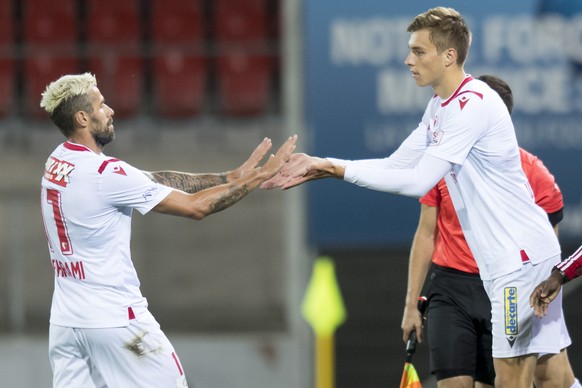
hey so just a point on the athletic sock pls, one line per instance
(576, 384)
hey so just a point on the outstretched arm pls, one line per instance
(418, 265)
(302, 168)
(546, 291)
(413, 181)
(187, 182)
(193, 183)
(202, 203)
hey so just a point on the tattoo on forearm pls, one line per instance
(190, 183)
(234, 195)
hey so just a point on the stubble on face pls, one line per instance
(102, 133)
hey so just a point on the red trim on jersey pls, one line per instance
(105, 163)
(178, 363)
(470, 91)
(75, 147)
(130, 313)
(457, 92)
(572, 266)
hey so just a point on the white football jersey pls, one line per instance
(86, 203)
(493, 200)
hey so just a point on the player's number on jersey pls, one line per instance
(53, 198)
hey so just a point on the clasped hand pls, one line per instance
(300, 168)
(272, 165)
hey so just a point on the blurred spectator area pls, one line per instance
(173, 59)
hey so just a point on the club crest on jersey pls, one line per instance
(57, 171)
(511, 327)
(435, 134)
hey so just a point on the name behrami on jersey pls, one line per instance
(87, 201)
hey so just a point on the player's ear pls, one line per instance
(81, 119)
(450, 56)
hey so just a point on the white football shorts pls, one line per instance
(516, 330)
(138, 355)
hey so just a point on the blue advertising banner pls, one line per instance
(361, 102)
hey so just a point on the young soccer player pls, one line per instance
(467, 137)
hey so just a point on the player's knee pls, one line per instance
(465, 381)
(515, 371)
(554, 370)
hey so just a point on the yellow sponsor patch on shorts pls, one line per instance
(510, 297)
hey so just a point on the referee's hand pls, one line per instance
(412, 322)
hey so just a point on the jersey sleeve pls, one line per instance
(453, 137)
(432, 198)
(125, 185)
(546, 191)
(413, 182)
(406, 156)
(571, 268)
(411, 149)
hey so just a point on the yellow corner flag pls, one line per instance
(323, 308)
(410, 377)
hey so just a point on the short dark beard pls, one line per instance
(103, 138)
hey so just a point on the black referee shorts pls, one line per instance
(459, 326)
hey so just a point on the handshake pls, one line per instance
(300, 168)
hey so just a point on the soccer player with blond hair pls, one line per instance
(101, 331)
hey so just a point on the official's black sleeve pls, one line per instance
(556, 217)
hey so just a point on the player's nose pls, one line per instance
(409, 60)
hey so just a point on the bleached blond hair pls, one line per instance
(66, 96)
(65, 88)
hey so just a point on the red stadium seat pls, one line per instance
(6, 58)
(244, 83)
(244, 68)
(6, 86)
(50, 37)
(240, 21)
(179, 63)
(41, 70)
(6, 25)
(115, 56)
(114, 22)
(120, 80)
(45, 23)
(177, 21)
(179, 84)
